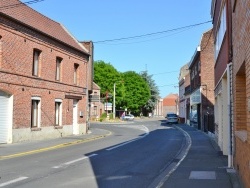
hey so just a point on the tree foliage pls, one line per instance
(105, 75)
(134, 92)
(154, 91)
(137, 92)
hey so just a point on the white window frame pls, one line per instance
(76, 72)
(35, 112)
(36, 62)
(58, 68)
(95, 110)
(221, 31)
(58, 112)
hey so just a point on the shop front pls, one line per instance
(195, 109)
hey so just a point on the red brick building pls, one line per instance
(170, 104)
(241, 87)
(184, 81)
(201, 68)
(43, 77)
(221, 15)
(96, 105)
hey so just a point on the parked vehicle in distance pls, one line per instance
(194, 118)
(172, 118)
(128, 117)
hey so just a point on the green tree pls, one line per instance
(136, 92)
(132, 91)
(154, 91)
(105, 75)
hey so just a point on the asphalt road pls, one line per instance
(137, 154)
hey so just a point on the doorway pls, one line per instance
(6, 114)
(75, 117)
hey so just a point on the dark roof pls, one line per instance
(31, 18)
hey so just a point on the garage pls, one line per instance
(5, 117)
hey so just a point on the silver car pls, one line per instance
(172, 118)
(128, 117)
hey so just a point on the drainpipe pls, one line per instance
(230, 84)
(230, 125)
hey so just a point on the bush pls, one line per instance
(103, 116)
(111, 116)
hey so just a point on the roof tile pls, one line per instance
(35, 20)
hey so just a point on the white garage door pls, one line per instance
(4, 117)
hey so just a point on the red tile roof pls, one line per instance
(29, 17)
(170, 100)
(95, 86)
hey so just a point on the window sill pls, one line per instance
(36, 129)
(58, 127)
(242, 135)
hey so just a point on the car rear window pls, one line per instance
(171, 115)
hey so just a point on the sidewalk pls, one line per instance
(31, 147)
(204, 165)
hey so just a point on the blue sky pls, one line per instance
(162, 55)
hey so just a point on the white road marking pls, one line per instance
(74, 161)
(144, 128)
(13, 181)
(125, 143)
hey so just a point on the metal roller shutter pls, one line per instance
(4, 117)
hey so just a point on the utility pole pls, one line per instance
(114, 103)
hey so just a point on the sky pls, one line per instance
(161, 35)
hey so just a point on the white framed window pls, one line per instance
(36, 62)
(58, 112)
(95, 110)
(35, 112)
(58, 68)
(221, 31)
(199, 66)
(76, 72)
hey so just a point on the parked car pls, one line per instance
(128, 117)
(172, 118)
(194, 118)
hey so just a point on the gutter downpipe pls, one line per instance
(230, 85)
(230, 135)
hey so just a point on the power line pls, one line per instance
(164, 72)
(152, 34)
(20, 4)
(168, 85)
(147, 39)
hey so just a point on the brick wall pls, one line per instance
(16, 58)
(241, 73)
(90, 47)
(242, 161)
(207, 70)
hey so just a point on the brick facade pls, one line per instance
(201, 69)
(96, 105)
(207, 69)
(241, 73)
(17, 44)
(170, 104)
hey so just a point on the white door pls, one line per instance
(75, 117)
(5, 118)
